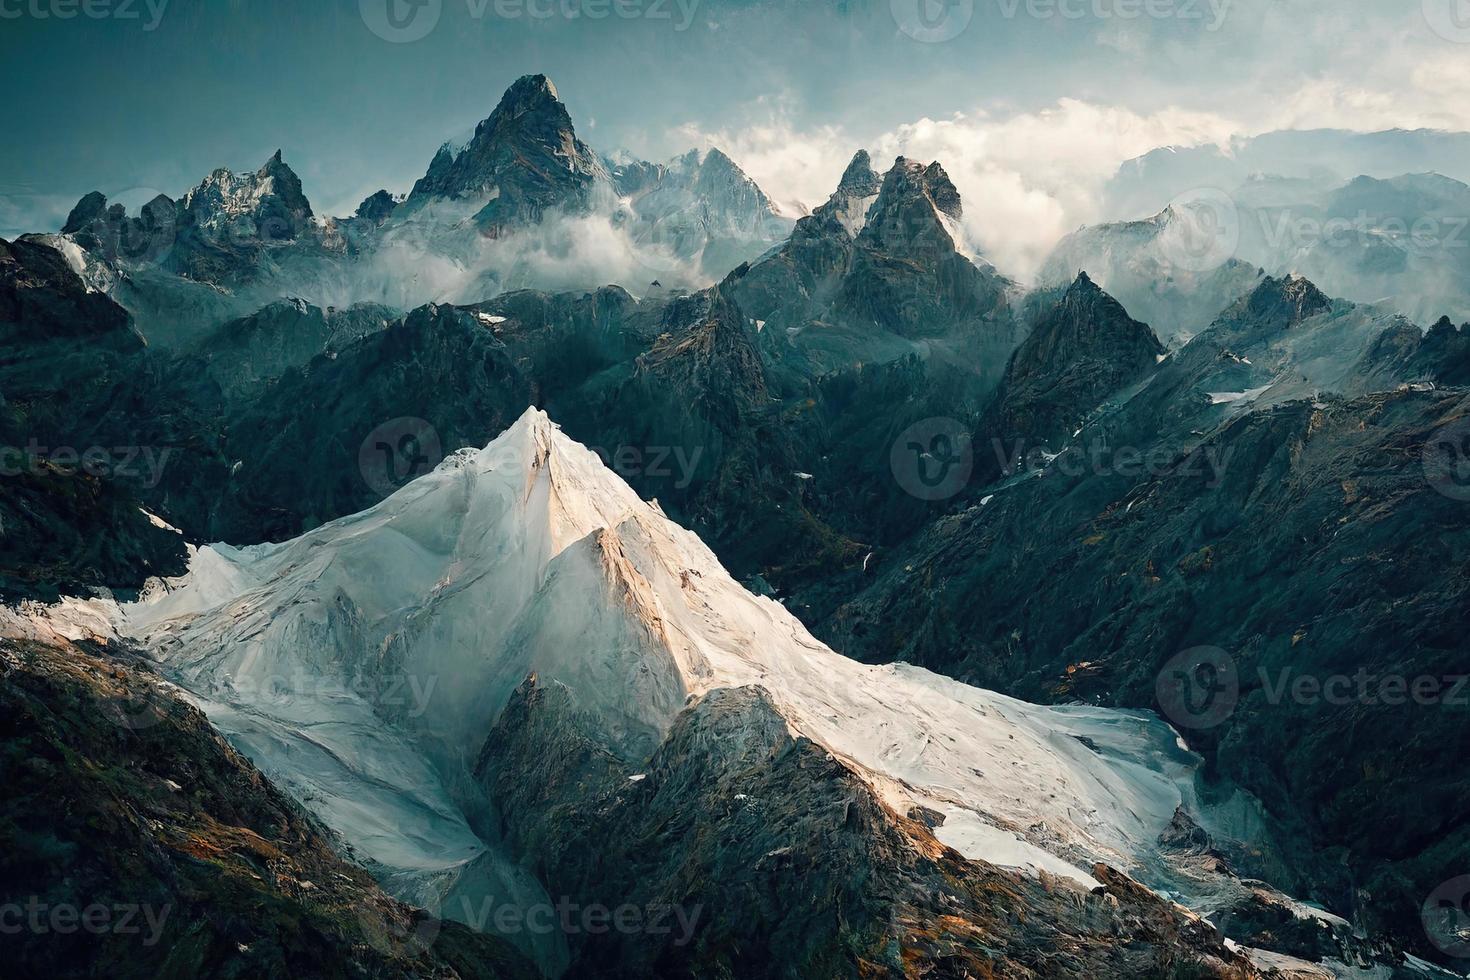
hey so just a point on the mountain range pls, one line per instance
(802, 583)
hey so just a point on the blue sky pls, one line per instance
(1026, 101)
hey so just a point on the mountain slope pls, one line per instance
(1081, 351)
(122, 802)
(850, 289)
(1170, 270)
(1234, 503)
(529, 558)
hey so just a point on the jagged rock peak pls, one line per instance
(377, 207)
(860, 177)
(849, 203)
(717, 159)
(91, 207)
(917, 210)
(911, 176)
(1295, 297)
(526, 152)
(284, 183)
(1444, 326)
(529, 92)
(1093, 320)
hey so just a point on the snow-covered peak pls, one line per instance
(530, 556)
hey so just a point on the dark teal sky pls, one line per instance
(105, 103)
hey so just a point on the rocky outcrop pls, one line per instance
(764, 854)
(1405, 354)
(138, 843)
(43, 301)
(217, 233)
(68, 531)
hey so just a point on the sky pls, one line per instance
(1029, 104)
